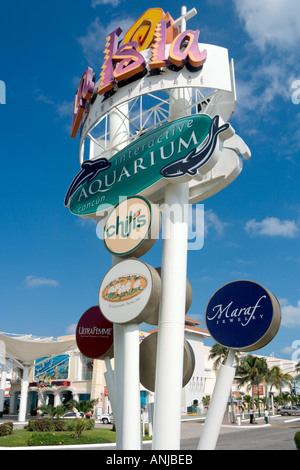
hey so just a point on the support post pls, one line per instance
(131, 415)
(24, 394)
(217, 406)
(170, 341)
(2, 387)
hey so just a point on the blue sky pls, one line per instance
(52, 262)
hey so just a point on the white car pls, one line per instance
(289, 411)
(72, 415)
(107, 419)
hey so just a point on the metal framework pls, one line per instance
(145, 113)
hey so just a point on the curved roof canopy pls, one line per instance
(27, 348)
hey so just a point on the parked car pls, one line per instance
(289, 411)
(107, 419)
(72, 415)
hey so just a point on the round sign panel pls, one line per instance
(129, 292)
(148, 349)
(243, 315)
(94, 334)
(154, 317)
(132, 227)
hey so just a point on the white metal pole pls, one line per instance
(109, 380)
(126, 337)
(131, 409)
(24, 394)
(170, 341)
(2, 386)
(217, 406)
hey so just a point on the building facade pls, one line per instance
(57, 380)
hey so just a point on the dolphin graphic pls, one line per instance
(193, 160)
(89, 170)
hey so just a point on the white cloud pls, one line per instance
(113, 3)
(65, 108)
(71, 329)
(93, 43)
(274, 29)
(290, 314)
(32, 281)
(213, 222)
(271, 22)
(272, 227)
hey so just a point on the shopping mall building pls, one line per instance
(58, 379)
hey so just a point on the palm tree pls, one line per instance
(53, 411)
(220, 354)
(278, 378)
(83, 406)
(247, 399)
(252, 370)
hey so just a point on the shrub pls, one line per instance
(45, 425)
(297, 440)
(6, 429)
(55, 425)
(79, 427)
(90, 424)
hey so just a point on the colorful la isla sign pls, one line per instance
(132, 227)
(243, 315)
(184, 148)
(152, 44)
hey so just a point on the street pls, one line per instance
(279, 435)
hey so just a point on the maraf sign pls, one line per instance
(243, 315)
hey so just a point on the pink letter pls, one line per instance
(107, 80)
(130, 61)
(191, 52)
(82, 95)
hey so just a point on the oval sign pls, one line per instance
(132, 227)
(243, 315)
(130, 292)
(94, 334)
(148, 349)
(124, 288)
(154, 317)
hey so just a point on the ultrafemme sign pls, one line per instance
(94, 334)
(243, 315)
(181, 149)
